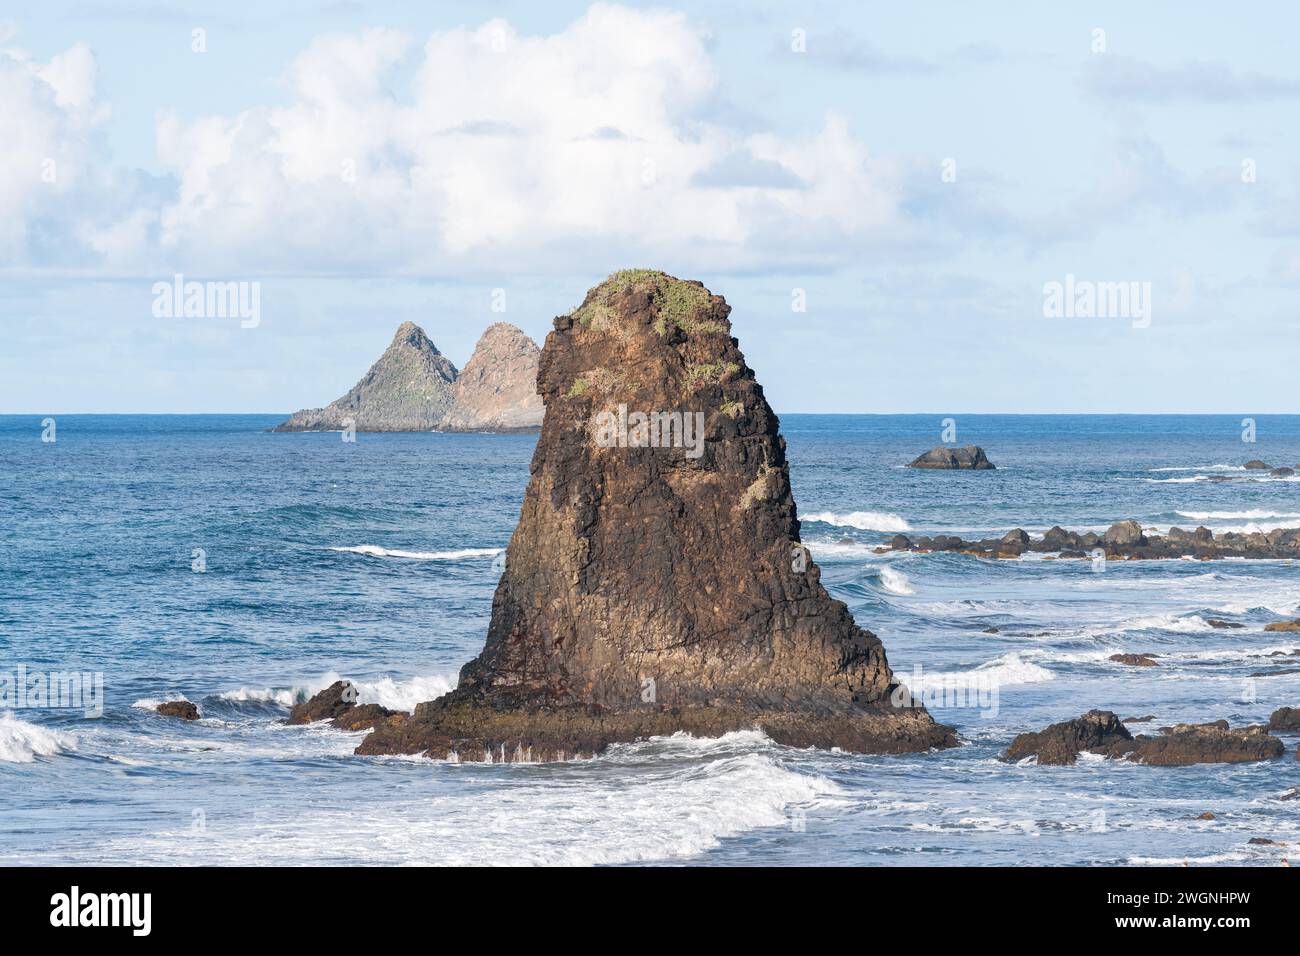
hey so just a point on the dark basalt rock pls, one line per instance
(943, 458)
(1224, 625)
(1281, 473)
(1101, 732)
(1257, 465)
(337, 703)
(650, 590)
(1140, 720)
(182, 709)
(1135, 660)
(1062, 743)
(1123, 540)
(1285, 719)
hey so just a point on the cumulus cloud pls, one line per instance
(478, 149)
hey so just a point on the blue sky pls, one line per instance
(372, 163)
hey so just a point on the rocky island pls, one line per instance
(647, 589)
(414, 387)
(943, 458)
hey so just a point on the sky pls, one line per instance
(884, 193)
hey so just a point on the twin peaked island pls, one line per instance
(413, 387)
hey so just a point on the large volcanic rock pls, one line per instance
(943, 458)
(497, 389)
(650, 590)
(408, 389)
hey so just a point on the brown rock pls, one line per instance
(1224, 625)
(497, 389)
(1101, 732)
(1285, 719)
(1140, 720)
(1207, 815)
(1062, 743)
(655, 589)
(1285, 626)
(1134, 660)
(337, 703)
(1257, 465)
(178, 708)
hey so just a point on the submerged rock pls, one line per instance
(1135, 660)
(656, 581)
(1102, 733)
(497, 389)
(942, 457)
(182, 709)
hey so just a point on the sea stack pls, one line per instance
(943, 458)
(496, 391)
(656, 581)
(408, 389)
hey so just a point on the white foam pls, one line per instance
(895, 581)
(395, 694)
(1252, 514)
(661, 799)
(1004, 671)
(153, 703)
(862, 520)
(21, 742)
(374, 551)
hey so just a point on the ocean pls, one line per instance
(203, 557)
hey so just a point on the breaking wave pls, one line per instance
(862, 520)
(21, 742)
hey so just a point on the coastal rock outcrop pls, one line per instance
(942, 457)
(1285, 720)
(182, 709)
(409, 388)
(656, 581)
(1124, 539)
(497, 389)
(1135, 660)
(1101, 732)
(337, 703)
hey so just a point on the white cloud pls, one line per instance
(483, 149)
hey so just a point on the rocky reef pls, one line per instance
(414, 387)
(1123, 540)
(656, 581)
(941, 457)
(1101, 732)
(337, 703)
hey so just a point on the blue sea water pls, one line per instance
(375, 561)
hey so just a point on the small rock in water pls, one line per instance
(1135, 660)
(1257, 465)
(1287, 626)
(943, 458)
(1286, 719)
(1140, 720)
(1224, 625)
(182, 709)
(1207, 815)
